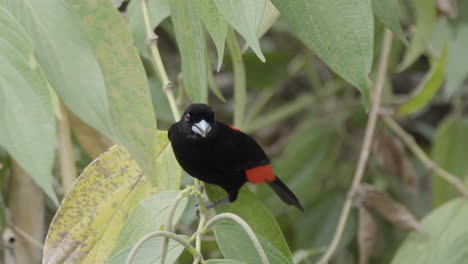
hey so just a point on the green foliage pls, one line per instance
(192, 46)
(245, 17)
(288, 93)
(387, 12)
(127, 88)
(65, 54)
(443, 240)
(450, 152)
(428, 87)
(149, 215)
(422, 31)
(29, 138)
(259, 219)
(339, 32)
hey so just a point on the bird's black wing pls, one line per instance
(236, 151)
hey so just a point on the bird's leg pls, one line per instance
(220, 202)
(214, 204)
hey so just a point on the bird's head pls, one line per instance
(198, 120)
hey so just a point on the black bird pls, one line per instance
(220, 154)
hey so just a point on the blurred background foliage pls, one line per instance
(300, 105)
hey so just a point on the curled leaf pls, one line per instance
(367, 234)
(393, 211)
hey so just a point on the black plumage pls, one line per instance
(220, 154)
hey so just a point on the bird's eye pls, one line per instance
(187, 117)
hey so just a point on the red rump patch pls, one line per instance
(260, 174)
(233, 127)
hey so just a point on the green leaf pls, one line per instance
(245, 17)
(27, 122)
(421, 31)
(192, 46)
(216, 25)
(127, 87)
(223, 261)
(321, 221)
(444, 239)
(449, 152)
(86, 226)
(211, 81)
(116, 3)
(387, 12)
(158, 11)
(65, 54)
(454, 33)
(249, 208)
(269, 18)
(339, 32)
(148, 216)
(428, 87)
(234, 243)
(304, 159)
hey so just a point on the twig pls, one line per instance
(240, 93)
(246, 228)
(201, 223)
(67, 162)
(364, 155)
(196, 254)
(168, 227)
(27, 236)
(157, 61)
(422, 156)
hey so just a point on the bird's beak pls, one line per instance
(202, 128)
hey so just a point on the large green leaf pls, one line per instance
(249, 208)
(158, 11)
(321, 223)
(444, 240)
(303, 161)
(27, 121)
(245, 17)
(387, 12)
(216, 25)
(192, 46)
(64, 52)
(340, 32)
(454, 33)
(148, 216)
(449, 151)
(422, 32)
(428, 87)
(127, 87)
(86, 226)
(223, 261)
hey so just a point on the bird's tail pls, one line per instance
(285, 193)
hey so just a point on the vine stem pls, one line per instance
(422, 156)
(201, 223)
(157, 61)
(240, 86)
(364, 154)
(247, 229)
(195, 253)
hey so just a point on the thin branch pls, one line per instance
(157, 61)
(27, 236)
(196, 254)
(246, 228)
(168, 227)
(364, 155)
(67, 162)
(240, 86)
(201, 223)
(422, 156)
